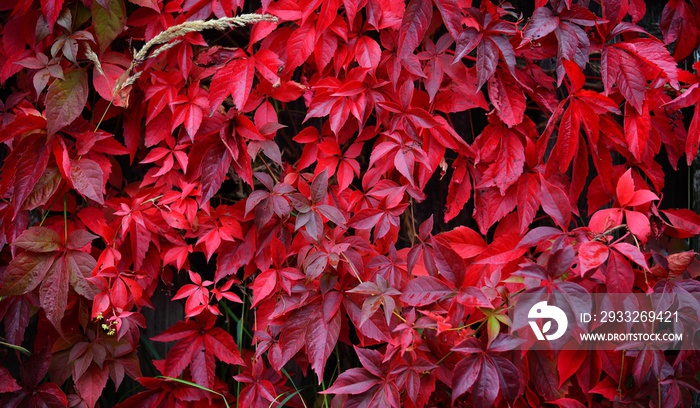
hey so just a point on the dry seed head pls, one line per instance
(90, 54)
(179, 30)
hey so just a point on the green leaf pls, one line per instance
(66, 99)
(108, 23)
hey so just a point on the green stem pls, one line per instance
(325, 396)
(298, 391)
(46, 214)
(195, 385)
(235, 318)
(65, 220)
(239, 341)
(104, 114)
(622, 371)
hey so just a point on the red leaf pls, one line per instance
(214, 165)
(689, 98)
(321, 337)
(484, 376)
(88, 179)
(15, 312)
(45, 188)
(353, 381)
(451, 15)
(465, 241)
(54, 292)
(507, 97)
(686, 223)
(619, 67)
(567, 138)
(50, 269)
(679, 24)
(365, 219)
(424, 290)
(569, 362)
(528, 199)
(268, 64)
(637, 128)
(541, 23)
(544, 373)
(367, 52)
(555, 203)
(460, 189)
(66, 99)
(292, 337)
(414, 25)
(25, 273)
(50, 395)
(655, 55)
(567, 403)
(633, 253)
(300, 45)
(241, 81)
(7, 382)
(591, 255)
(221, 344)
(508, 166)
(91, 384)
(607, 388)
(220, 89)
(619, 277)
(466, 374)
(605, 219)
(263, 285)
(51, 10)
(33, 159)
(492, 206)
(693, 140)
(198, 339)
(638, 224)
(486, 63)
(625, 188)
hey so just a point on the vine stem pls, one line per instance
(352, 267)
(46, 214)
(600, 236)
(437, 363)
(413, 222)
(269, 169)
(65, 220)
(622, 370)
(104, 114)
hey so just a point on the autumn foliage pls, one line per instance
(271, 175)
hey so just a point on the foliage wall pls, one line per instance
(270, 174)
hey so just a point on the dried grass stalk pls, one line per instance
(179, 30)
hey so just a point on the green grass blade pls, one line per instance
(18, 348)
(195, 385)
